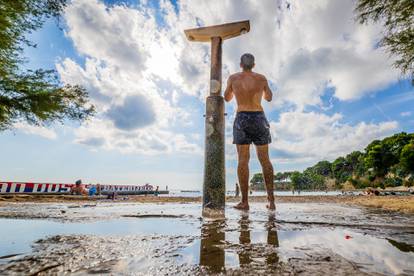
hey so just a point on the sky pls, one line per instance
(334, 89)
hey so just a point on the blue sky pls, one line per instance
(335, 91)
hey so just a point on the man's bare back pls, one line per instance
(251, 126)
(248, 88)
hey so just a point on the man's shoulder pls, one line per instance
(260, 76)
(235, 75)
(239, 74)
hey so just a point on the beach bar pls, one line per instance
(61, 188)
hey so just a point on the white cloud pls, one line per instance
(131, 68)
(311, 137)
(110, 33)
(36, 130)
(303, 49)
(150, 140)
(405, 114)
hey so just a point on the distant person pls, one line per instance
(237, 192)
(156, 191)
(112, 195)
(251, 126)
(78, 189)
(92, 190)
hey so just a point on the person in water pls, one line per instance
(251, 126)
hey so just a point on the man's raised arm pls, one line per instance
(268, 95)
(228, 93)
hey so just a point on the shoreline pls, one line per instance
(404, 204)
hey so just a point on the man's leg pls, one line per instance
(267, 168)
(243, 174)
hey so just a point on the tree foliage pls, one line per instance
(386, 163)
(257, 178)
(397, 17)
(375, 160)
(385, 156)
(356, 161)
(323, 168)
(298, 181)
(407, 157)
(34, 96)
(341, 169)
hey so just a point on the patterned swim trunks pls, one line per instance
(251, 127)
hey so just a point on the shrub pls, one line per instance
(393, 182)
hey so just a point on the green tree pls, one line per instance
(397, 17)
(392, 154)
(318, 182)
(34, 96)
(356, 161)
(313, 181)
(257, 182)
(396, 143)
(341, 170)
(374, 160)
(297, 180)
(407, 157)
(384, 156)
(278, 176)
(323, 168)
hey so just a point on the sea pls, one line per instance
(197, 193)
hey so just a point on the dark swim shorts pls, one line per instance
(251, 127)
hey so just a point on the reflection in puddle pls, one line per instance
(211, 245)
(244, 239)
(365, 251)
(402, 246)
(216, 253)
(272, 239)
(260, 246)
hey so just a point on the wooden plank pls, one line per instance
(225, 31)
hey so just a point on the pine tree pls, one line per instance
(397, 17)
(34, 96)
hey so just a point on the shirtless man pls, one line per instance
(250, 126)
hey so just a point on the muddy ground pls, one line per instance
(303, 237)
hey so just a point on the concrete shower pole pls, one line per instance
(214, 188)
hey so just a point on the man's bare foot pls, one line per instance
(271, 206)
(242, 206)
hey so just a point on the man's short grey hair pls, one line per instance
(247, 61)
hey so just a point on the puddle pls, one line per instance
(160, 239)
(18, 235)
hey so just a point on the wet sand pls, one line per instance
(403, 204)
(167, 238)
